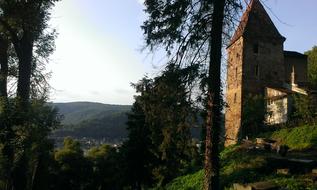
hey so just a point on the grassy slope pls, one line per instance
(245, 167)
(297, 138)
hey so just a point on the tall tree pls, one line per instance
(24, 25)
(136, 150)
(213, 126)
(4, 67)
(75, 170)
(191, 31)
(25, 22)
(159, 128)
(312, 66)
(170, 116)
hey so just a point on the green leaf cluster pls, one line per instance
(312, 66)
(159, 126)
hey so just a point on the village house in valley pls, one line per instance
(258, 65)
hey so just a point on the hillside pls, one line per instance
(241, 165)
(96, 121)
(92, 120)
(76, 112)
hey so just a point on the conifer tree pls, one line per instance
(191, 32)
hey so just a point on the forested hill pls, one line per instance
(76, 112)
(96, 121)
(93, 120)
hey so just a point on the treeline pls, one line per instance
(160, 146)
(158, 149)
(26, 42)
(110, 126)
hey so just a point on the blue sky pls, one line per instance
(98, 48)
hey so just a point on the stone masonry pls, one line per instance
(257, 62)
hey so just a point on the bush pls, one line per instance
(188, 182)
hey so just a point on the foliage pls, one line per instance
(312, 66)
(171, 116)
(136, 150)
(165, 104)
(253, 115)
(25, 25)
(237, 166)
(28, 121)
(111, 127)
(95, 120)
(188, 182)
(192, 32)
(106, 171)
(182, 28)
(74, 170)
(297, 138)
(304, 110)
(34, 159)
(76, 112)
(295, 183)
(240, 166)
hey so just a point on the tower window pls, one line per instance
(236, 73)
(235, 98)
(270, 102)
(257, 71)
(256, 48)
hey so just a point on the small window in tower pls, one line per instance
(257, 70)
(235, 98)
(236, 73)
(256, 48)
(270, 102)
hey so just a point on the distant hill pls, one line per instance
(96, 121)
(93, 120)
(76, 112)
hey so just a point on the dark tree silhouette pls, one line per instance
(191, 32)
(23, 27)
(24, 23)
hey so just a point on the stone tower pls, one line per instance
(255, 61)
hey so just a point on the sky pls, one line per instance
(98, 49)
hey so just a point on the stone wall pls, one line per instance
(234, 91)
(252, 65)
(269, 61)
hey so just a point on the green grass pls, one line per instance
(237, 166)
(240, 166)
(188, 182)
(297, 138)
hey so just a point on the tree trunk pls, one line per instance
(214, 106)
(3, 69)
(25, 54)
(7, 150)
(24, 50)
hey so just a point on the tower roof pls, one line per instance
(255, 22)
